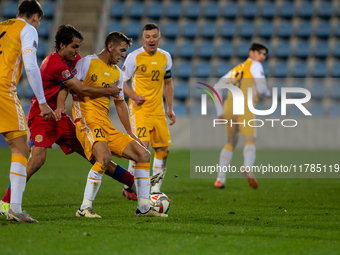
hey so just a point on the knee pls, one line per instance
(144, 157)
(38, 161)
(105, 160)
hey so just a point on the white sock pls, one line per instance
(158, 166)
(226, 156)
(18, 183)
(249, 154)
(142, 182)
(94, 180)
(131, 169)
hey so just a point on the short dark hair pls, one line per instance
(116, 37)
(65, 35)
(258, 46)
(150, 26)
(30, 7)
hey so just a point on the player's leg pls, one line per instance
(249, 154)
(159, 165)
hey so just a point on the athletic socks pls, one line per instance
(159, 164)
(142, 182)
(123, 176)
(249, 154)
(226, 156)
(7, 197)
(18, 181)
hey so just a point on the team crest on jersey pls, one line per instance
(35, 45)
(74, 71)
(66, 74)
(124, 68)
(38, 138)
(143, 68)
(94, 77)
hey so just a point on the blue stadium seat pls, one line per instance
(266, 29)
(285, 29)
(243, 49)
(306, 9)
(325, 9)
(231, 10)
(249, 10)
(324, 29)
(49, 9)
(182, 91)
(135, 10)
(337, 28)
(133, 47)
(44, 28)
(169, 46)
(247, 29)
(268, 10)
(317, 109)
(320, 69)
(183, 70)
(283, 49)
(336, 52)
(208, 29)
(170, 29)
(222, 67)
(173, 10)
(203, 69)
(114, 25)
(228, 29)
(42, 49)
(225, 49)
(155, 10)
(318, 90)
(335, 90)
(300, 69)
(265, 66)
(287, 9)
(302, 49)
(117, 10)
(279, 83)
(186, 49)
(133, 28)
(211, 10)
(195, 107)
(334, 110)
(190, 29)
(10, 9)
(206, 49)
(321, 49)
(192, 10)
(281, 69)
(304, 29)
(336, 69)
(180, 109)
(294, 111)
(269, 46)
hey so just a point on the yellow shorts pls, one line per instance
(12, 117)
(243, 127)
(94, 130)
(151, 128)
(14, 134)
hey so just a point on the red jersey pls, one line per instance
(54, 72)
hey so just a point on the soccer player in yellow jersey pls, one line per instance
(149, 69)
(248, 74)
(95, 132)
(18, 46)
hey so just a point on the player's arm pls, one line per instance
(223, 81)
(123, 115)
(169, 96)
(61, 99)
(139, 100)
(257, 72)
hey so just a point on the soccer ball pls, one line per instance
(160, 202)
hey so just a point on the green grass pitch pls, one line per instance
(283, 216)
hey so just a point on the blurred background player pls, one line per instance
(95, 132)
(150, 69)
(18, 46)
(249, 74)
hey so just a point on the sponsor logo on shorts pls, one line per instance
(38, 138)
(66, 74)
(35, 45)
(143, 68)
(94, 77)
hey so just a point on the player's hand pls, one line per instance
(220, 116)
(139, 100)
(46, 111)
(114, 89)
(137, 139)
(172, 117)
(59, 112)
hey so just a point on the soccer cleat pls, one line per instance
(156, 178)
(251, 179)
(4, 207)
(218, 184)
(19, 217)
(88, 213)
(151, 213)
(129, 194)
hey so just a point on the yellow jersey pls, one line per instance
(147, 74)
